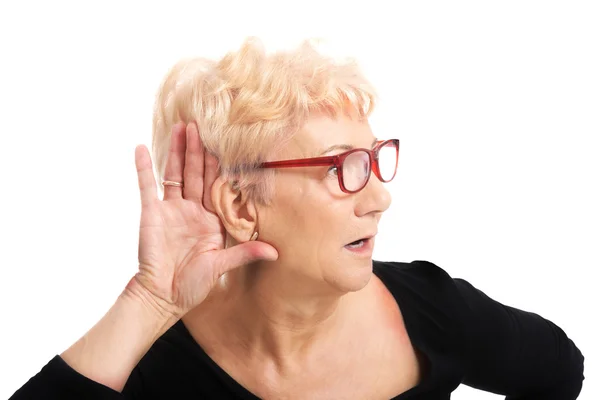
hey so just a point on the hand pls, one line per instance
(182, 242)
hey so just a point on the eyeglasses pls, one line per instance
(353, 167)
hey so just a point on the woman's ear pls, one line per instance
(237, 213)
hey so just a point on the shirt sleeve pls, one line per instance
(57, 380)
(517, 353)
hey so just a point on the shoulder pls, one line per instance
(429, 300)
(416, 266)
(427, 288)
(417, 274)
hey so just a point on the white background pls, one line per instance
(496, 104)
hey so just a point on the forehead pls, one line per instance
(322, 131)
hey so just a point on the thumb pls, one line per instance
(244, 253)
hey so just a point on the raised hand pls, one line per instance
(182, 242)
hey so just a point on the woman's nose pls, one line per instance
(373, 198)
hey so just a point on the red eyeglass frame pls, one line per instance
(338, 160)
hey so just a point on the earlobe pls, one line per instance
(236, 212)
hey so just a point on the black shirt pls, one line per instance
(465, 336)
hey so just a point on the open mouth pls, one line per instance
(357, 243)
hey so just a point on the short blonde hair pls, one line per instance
(249, 103)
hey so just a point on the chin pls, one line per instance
(352, 276)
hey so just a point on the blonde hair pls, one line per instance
(249, 103)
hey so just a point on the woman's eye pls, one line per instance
(332, 170)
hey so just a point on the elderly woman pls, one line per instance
(256, 277)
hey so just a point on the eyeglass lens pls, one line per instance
(357, 167)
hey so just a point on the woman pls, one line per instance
(255, 273)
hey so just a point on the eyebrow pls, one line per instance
(345, 147)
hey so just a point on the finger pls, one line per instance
(193, 171)
(211, 171)
(146, 181)
(175, 161)
(243, 254)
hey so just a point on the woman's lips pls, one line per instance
(362, 247)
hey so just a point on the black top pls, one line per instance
(466, 337)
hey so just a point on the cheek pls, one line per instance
(285, 219)
(306, 220)
(298, 227)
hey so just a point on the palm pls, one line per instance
(181, 244)
(173, 237)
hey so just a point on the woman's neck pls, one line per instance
(267, 314)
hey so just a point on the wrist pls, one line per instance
(152, 306)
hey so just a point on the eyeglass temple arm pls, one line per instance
(303, 162)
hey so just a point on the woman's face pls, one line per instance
(311, 222)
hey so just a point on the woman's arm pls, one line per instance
(517, 353)
(113, 347)
(99, 364)
(181, 255)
